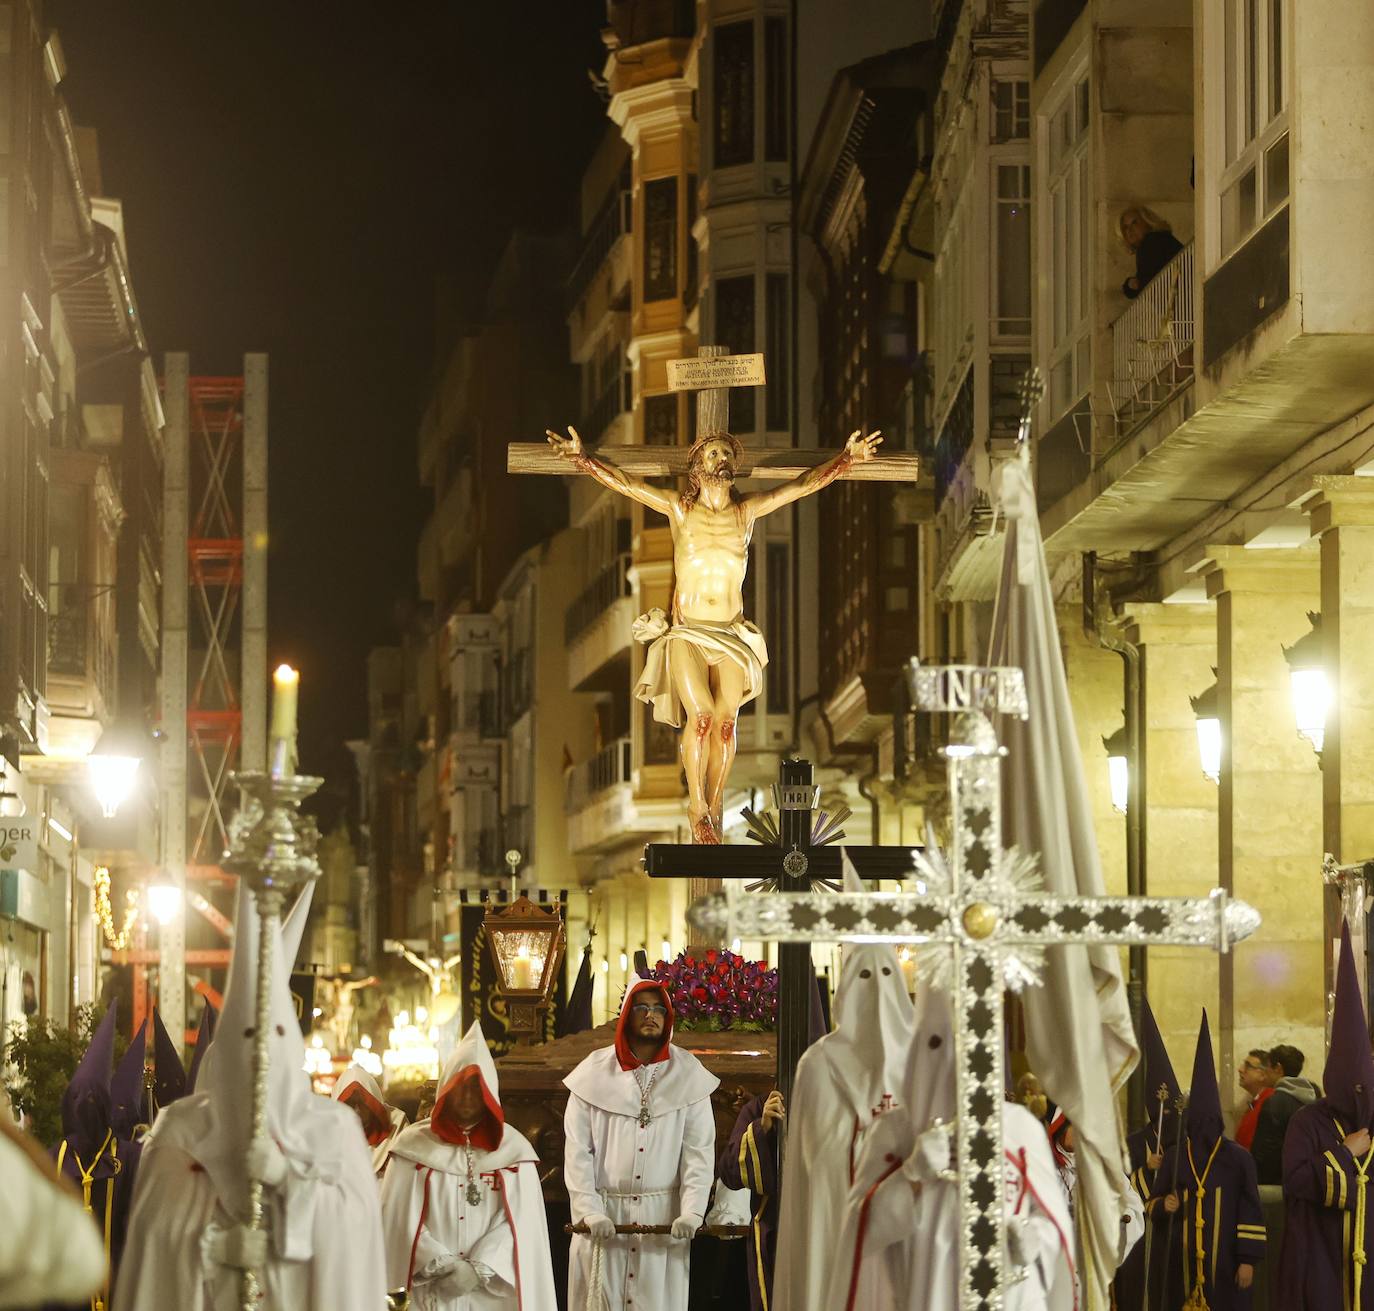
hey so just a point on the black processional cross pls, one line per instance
(981, 924)
(797, 854)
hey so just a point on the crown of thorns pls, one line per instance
(736, 446)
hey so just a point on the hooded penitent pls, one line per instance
(844, 1083)
(1160, 1080)
(1327, 1238)
(100, 1163)
(169, 1075)
(322, 1207)
(357, 1089)
(204, 1036)
(897, 1245)
(639, 1149)
(467, 1193)
(128, 1093)
(1219, 1225)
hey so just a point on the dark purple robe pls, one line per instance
(750, 1161)
(1321, 1188)
(1232, 1229)
(1129, 1288)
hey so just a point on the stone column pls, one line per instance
(1269, 818)
(1342, 516)
(1178, 651)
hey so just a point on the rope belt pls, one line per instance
(1358, 1257)
(1197, 1299)
(99, 1300)
(596, 1278)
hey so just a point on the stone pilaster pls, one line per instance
(1269, 816)
(1178, 651)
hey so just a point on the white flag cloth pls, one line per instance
(1078, 1025)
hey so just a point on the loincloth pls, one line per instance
(738, 642)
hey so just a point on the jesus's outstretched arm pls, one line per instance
(857, 449)
(570, 448)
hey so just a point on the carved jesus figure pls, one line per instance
(706, 660)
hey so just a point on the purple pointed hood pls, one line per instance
(128, 1105)
(1349, 1076)
(169, 1078)
(86, 1102)
(1203, 1117)
(1159, 1073)
(204, 1035)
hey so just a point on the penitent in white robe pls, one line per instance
(897, 1246)
(634, 1174)
(430, 1222)
(844, 1083)
(323, 1218)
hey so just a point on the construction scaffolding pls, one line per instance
(214, 675)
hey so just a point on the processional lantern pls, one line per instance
(527, 941)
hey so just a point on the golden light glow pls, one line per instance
(118, 941)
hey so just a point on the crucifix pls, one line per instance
(980, 926)
(798, 852)
(705, 659)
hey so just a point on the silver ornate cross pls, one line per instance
(981, 925)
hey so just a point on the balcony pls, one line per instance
(596, 630)
(81, 672)
(614, 222)
(1152, 344)
(616, 401)
(477, 716)
(519, 685)
(479, 851)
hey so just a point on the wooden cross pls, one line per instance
(981, 927)
(796, 863)
(711, 375)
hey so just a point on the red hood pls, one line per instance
(628, 1060)
(486, 1135)
(354, 1094)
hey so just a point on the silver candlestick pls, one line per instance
(272, 847)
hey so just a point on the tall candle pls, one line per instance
(908, 970)
(524, 970)
(282, 735)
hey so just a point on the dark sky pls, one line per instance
(296, 175)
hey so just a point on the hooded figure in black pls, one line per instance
(92, 1154)
(1207, 1188)
(1149, 1147)
(1326, 1166)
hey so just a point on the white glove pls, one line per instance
(685, 1226)
(598, 1226)
(1020, 1241)
(930, 1158)
(266, 1162)
(462, 1279)
(240, 1247)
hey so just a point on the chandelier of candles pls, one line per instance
(117, 940)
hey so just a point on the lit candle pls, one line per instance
(523, 972)
(908, 970)
(282, 750)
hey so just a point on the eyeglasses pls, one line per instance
(642, 1008)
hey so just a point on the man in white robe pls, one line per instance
(641, 1146)
(382, 1123)
(898, 1233)
(845, 1082)
(188, 1239)
(462, 1205)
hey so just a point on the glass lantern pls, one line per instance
(527, 942)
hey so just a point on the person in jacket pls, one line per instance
(1291, 1093)
(1153, 244)
(1257, 1076)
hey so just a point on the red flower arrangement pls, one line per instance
(720, 990)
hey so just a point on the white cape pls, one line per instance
(843, 1083)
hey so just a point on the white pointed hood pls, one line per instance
(294, 923)
(873, 1020)
(226, 1077)
(930, 1088)
(472, 1049)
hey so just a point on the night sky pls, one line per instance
(297, 178)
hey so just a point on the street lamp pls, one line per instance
(1310, 685)
(1205, 707)
(164, 902)
(1118, 769)
(112, 780)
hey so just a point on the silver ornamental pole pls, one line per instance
(271, 845)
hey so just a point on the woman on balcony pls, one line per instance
(1154, 244)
